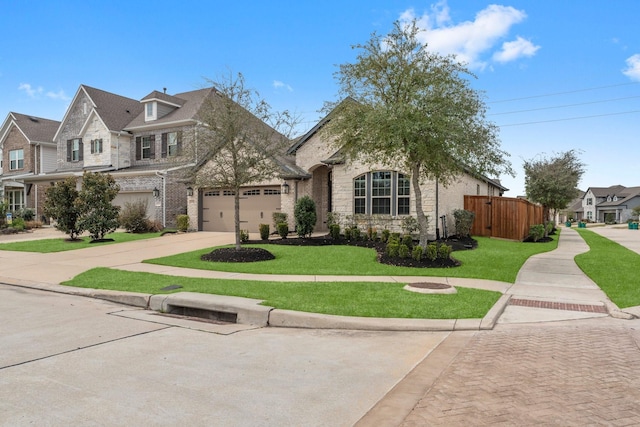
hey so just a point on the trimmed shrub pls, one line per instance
(536, 232)
(385, 235)
(26, 213)
(444, 251)
(407, 240)
(348, 233)
(283, 229)
(244, 236)
(18, 224)
(417, 253)
(264, 231)
(355, 232)
(403, 251)
(182, 222)
(305, 215)
(432, 252)
(392, 249)
(463, 221)
(133, 217)
(334, 231)
(279, 217)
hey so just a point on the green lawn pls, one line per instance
(61, 244)
(613, 267)
(493, 259)
(363, 299)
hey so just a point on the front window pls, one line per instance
(589, 215)
(589, 201)
(75, 150)
(146, 147)
(172, 144)
(150, 110)
(16, 159)
(381, 193)
(96, 146)
(15, 198)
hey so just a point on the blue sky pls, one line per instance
(557, 75)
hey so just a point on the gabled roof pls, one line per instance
(164, 98)
(606, 191)
(115, 111)
(623, 197)
(34, 129)
(190, 103)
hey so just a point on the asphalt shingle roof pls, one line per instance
(116, 111)
(36, 129)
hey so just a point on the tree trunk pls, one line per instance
(236, 216)
(422, 218)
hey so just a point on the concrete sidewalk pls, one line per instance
(549, 287)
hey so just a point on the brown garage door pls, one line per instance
(256, 207)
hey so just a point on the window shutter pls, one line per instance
(93, 146)
(164, 145)
(152, 150)
(81, 153)
(138, 148)
(179, 148)
(69, 148)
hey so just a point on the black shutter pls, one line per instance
(93, 146)
(138, 148)
(81, 152)
(69, 148)
(164, 145)
(152, 150)
(179, 148)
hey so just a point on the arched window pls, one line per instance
(381, 193)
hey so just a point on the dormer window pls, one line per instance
(615, 198)
(150, 111)
(608, 198)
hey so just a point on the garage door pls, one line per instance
(256, 207)
(123, 198)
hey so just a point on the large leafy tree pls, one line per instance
(415, 109)
(553, 181)
(239, 140)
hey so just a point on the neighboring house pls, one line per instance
(27, 148)
(610, 204)
(574, 211)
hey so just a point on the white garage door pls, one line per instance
(257, 206)
(123, 198)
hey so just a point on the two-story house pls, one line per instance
(610, 204)
(26, 144)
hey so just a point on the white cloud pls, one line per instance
(30, 91)
(515, 49)
(278, 85)
(58, 95)
(470, 40)
(633, 67)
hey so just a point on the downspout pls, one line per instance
(437, 218)
(162, 174)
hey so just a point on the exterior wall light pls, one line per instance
(285, 188)
(156, 192)
(189, 191)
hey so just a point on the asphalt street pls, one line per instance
(68, 360)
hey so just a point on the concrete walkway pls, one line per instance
(549, 287)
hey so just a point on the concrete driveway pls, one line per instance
(69, 360)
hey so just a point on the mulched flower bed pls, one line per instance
(258, 254)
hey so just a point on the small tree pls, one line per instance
(463, 221)
(98, 215)
(305, 215)
(133, 217)
(553, 182)
(238, 141)
(61, 206)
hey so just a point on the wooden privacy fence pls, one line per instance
(504, 217)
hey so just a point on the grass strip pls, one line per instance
(613, 267)
(493, 260)
(62, 244)
(362, 299)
